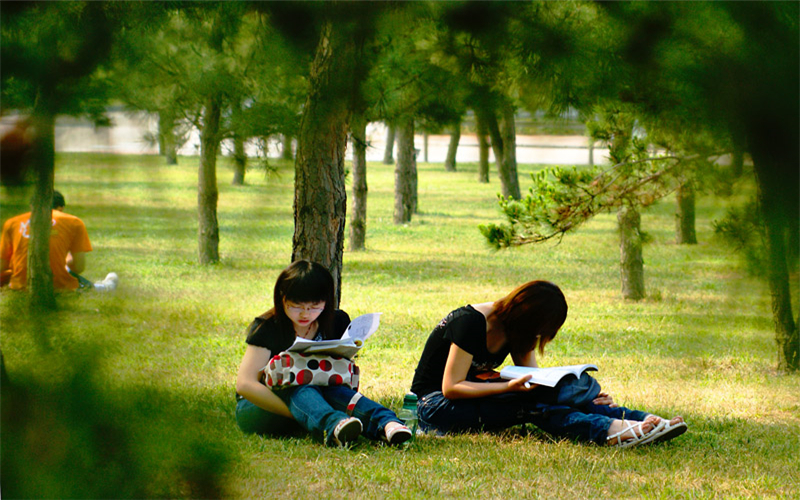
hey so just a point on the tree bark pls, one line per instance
(404, 173)
(452, 148)
(492, 129)
(320, 201)
(508, 165)
(286, 147)
(239, 156)
(40, 276)
(358, 218)
(167, 142)
(504, 147)
(737, 161)
(239, 160)
(685, 233)
(483, 152)
(779, 205)
(414, 175)
(630, 250)
(786, 331)
(388, 151)
(207, 193)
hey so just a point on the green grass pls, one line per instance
(701, 345)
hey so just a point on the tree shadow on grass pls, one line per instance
(69, 432)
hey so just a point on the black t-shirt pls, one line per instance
(466, 328)
(267, 333)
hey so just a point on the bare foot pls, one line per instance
(674, 421)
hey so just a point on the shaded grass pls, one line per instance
(700, 345)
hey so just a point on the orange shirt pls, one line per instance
(67, 235)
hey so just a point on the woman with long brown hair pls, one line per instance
(459, 390)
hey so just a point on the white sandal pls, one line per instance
(639, 436)
(667, 432)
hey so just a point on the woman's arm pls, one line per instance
(456, 386)
(529, 359)
(247, 384)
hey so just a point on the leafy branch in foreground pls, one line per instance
(561, 199)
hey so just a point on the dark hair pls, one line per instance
(305, 281)
(531, 315)
(58, 200)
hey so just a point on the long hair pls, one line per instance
(304, 281)
(531, 315)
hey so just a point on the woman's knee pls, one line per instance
(254, 420)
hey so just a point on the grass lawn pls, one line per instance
(166, 345)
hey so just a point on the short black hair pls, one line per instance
(305, 281)
(58, 200)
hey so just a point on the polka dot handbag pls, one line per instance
(294, 368)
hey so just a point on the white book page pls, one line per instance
(544, 376)
(362, 327)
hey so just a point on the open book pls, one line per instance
(352, 340)
(544, 376)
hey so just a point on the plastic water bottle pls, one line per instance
(408, 414)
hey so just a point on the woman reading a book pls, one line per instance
(459, 391)
(303, 308)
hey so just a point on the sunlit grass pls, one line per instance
(701, 344)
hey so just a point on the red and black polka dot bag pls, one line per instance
(293, 368)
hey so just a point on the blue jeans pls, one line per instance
(254, 420)
(319, 408)
(587, 423)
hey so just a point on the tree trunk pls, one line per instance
(167, 142)
(239, 160)
(779, 205)
(286, 147)
(630, 250)
(505, 155)
(452, 148)
(320, 197)
(786, 331)
(404, 173)
(496, 139)
(40, 276)
(388, 157)
(483, 152)
(508, 165)
(207, 193)
(685, 233)
(737, 161)
(358, 218)
(414, 176)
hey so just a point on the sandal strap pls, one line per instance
(629, 426)
(638, 438)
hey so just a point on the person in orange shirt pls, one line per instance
(69, 243)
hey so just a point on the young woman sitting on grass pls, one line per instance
(303, 307)
(459, 391)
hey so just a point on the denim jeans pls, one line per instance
(252, 419)
(319, 408)
(587, 423)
